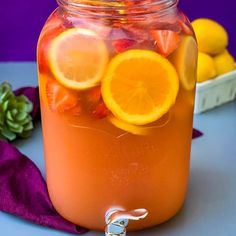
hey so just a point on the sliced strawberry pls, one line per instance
(76, 111)
(95, 104)
(166, 41)
(100, 111)
(93, 96)
(138, 33)
(47, 35)
(186, 27)
(59, 98)
(121, 45)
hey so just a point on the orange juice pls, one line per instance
(117, 108)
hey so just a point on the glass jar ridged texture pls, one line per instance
(117, 84)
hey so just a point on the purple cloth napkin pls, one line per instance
(23, 191)
(196, 133)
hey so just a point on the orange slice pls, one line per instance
(139, 86)
(78, 58)
(185, 62)
(130, 128)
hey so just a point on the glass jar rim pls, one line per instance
(135, 7)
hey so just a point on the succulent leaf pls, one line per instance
(15, 118)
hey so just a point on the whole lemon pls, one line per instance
(224, 63)
(206, 68)
(212, 37)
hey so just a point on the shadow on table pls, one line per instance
(205, 200)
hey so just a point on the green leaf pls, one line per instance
(2, 118)
(5, 91)
(29, 126)
(2, 137)
(14, 111)
(21, 116)
(26, 120)
(26, 134)
(8, 134)
(15, 118)
(29, 107)
(24, 100)
(17, 130)
(5, 105)
(12, 124)
(5, 86)
(9, 116)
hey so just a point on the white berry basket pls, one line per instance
(215, 92)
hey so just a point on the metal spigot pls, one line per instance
(117, 220)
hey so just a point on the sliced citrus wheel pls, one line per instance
(78, 58)
(139, 86)
(130, 128)
(185, 62)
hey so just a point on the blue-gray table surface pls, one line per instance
(210, 207)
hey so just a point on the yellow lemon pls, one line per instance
(206, 68)
(78, 58)
(224, 63)
(185, 61)
(212, 37)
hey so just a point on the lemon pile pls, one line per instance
(213, 57)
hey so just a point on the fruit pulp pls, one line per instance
(93, 164)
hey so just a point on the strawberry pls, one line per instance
(93, 96)
(100, 111)
(76, 111)
(95, 104)
(166, 41)
(47, 35)
(121, 45)
(60, 98)
(138, 33)
(186, 27)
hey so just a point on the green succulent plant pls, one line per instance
(15, 118)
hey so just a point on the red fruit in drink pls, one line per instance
(60, 99)
(121, 45)
(100, 111)
(137, 33)
(75, 111)
(47, 35)
(186, 27)
(166, 41)
(93, 96)
(95, 104)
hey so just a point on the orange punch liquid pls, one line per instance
(117, 108)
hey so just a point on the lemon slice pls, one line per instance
(185, 62)
(139, 86)
(78, 58)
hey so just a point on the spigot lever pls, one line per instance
(117, 220)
